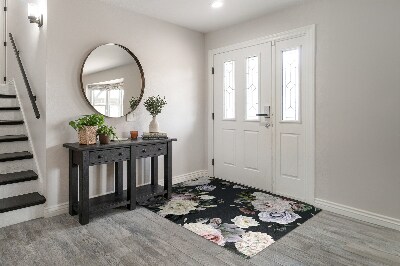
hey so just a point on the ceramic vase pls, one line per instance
(154, 127)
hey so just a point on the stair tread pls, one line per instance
(17, 177)
(11, 138)
(5, 157)
(11, 122)
(8, 96)
(21, 201)
(11, 108)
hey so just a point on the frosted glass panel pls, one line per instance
(252, 84)
(229, 90)
(290, 85)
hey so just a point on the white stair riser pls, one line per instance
(16, 146)
(12, 130)
(17, 166)
(11, 115)
(8, 102)
(6, 89)
(17, 189)
(21, 215)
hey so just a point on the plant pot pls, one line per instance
(87, 135)
(104, 139)
(154, 127)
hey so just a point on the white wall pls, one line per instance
(173, 61)
(31, 42)
(357, 96)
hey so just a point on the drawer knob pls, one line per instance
(144, 150)
(100, 156)
(120, 154)
(159, 149)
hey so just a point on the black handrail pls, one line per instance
(27, 85)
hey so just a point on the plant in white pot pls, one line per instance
(154, 106)
(87, 127)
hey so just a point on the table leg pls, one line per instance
(154, 170)
(73, 184)
(131, 183)
(84, 189)
(119, 185)
(168, 171)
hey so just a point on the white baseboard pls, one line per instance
(62, 208)
(358, 214)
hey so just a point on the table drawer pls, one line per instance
(109, 156)
(151, 150)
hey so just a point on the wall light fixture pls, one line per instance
(34, 14)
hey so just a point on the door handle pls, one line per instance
(264, 115)
(267, 125)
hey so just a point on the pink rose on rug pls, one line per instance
(207, 231)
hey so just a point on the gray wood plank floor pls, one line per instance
(140, 237)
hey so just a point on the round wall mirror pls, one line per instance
(111, 75)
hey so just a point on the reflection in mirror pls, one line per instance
(111, 76)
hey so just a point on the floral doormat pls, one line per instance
(239, 218)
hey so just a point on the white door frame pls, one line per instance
(309, 33)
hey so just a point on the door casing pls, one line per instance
(308, 32)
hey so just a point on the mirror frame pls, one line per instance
(140, 70)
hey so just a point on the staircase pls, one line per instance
(20, 199)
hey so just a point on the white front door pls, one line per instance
(290, 87)
(242, 142)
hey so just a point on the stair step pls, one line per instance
(6, 157)
(22, 201)
(8, 96)
(17, 177)
(11, 122)
(15, 108)
(12, 138)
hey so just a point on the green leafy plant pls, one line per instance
(134, 102)
(154, 104)
(107, 130)
(87, 121)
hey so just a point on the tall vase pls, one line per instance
(154, 127)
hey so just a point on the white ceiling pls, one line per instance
(198, 14)
(106, 57)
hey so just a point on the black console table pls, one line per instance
(83, 156)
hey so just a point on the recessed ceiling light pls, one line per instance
(217, 4)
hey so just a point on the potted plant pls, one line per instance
(134, 103)
(87, 128)
(154, 105)
(105, 133)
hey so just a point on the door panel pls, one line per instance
(290, 129)
(242, 143)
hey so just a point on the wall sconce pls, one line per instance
(34, 15)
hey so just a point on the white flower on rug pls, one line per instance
(178, 207)
(253, 242)
(206, 188)
(196, 182)
(207, 231)
(265, 202)
(206, 197)
(244, 221)
(285, 217)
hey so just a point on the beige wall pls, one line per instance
(31, 42)
(357, 96)
(173, 61)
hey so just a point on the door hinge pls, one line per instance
(5, 44)
(212, 162)
(212, 70)
(212, 116)
(5, 9)
(5, 79)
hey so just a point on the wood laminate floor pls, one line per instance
(140, 237)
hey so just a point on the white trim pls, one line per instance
(309, 33)
(358, 214)
(21, 215)
(62, 208)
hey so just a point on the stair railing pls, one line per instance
(26, 81)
